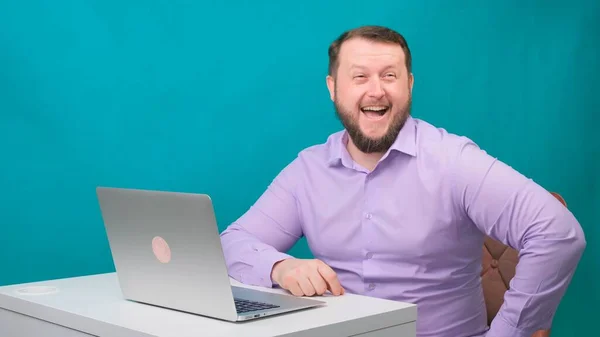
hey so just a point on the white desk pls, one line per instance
(93, 306)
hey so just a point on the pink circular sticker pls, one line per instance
(161, 249)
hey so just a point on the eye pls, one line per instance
(359, 76)
(390, 75)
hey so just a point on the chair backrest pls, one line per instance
(499, 263)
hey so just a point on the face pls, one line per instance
(371, 93)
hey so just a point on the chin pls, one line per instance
(375, 133)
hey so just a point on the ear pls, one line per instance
(331, 87)
(411, 81)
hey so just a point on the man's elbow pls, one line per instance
(579, 242)
(559, 235)
(575, 238)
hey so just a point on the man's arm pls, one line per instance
(514, 210)
(259, 238)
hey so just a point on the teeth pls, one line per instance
(374, 108)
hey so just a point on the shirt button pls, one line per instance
(369, 255)
(369, 215)
(371, 286)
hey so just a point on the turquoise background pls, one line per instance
(216, 97)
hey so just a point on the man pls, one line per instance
(396, 208)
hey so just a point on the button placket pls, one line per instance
(368, 230)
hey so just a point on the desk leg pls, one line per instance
(403, 330)
(13, 324)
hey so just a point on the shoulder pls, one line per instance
(438, 146)
(458, 160)
(314, 157)
(320, 155)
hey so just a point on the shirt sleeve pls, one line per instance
(513, 209)
(261, 236)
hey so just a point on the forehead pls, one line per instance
(365, 53)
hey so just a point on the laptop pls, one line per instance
(167, 252)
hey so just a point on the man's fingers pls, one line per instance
(294, 288)
(331, 279)
(291, 284)
(306, 285)
(318, 282)
(306, 280)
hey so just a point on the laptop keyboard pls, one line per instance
(243, 306)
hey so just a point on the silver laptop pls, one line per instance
(167, 252)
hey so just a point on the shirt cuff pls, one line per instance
(261, 272)
(499, 328)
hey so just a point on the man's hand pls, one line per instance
(306, 277)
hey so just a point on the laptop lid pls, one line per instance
(167, 250)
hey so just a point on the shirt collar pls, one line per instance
(405, 143)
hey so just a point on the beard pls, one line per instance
(373, 145)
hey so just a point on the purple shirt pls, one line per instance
(412, 230)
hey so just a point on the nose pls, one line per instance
(376, 88)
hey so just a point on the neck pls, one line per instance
(366, 160)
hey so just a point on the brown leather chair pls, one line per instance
(499, 264)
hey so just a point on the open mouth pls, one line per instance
(375, 111)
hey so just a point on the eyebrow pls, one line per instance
(357, 66)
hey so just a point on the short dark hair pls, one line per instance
(372, 33)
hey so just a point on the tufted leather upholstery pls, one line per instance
(499, 263)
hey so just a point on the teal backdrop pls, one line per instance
(217, 97)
